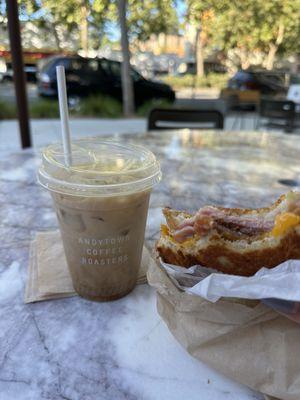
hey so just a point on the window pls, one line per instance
(77, 65)
(92, 65)
(65, 62)
(115, 68)
(51, 66)
(104, 65)
(135, 75)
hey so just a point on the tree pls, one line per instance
(88, 19)
(72, 17)
(251, 27)
(149, 17)
(52, 15)
(279, 29)
(200, 14)
(138, 21)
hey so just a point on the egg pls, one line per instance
(283, 222)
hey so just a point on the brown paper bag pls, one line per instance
(244, 340)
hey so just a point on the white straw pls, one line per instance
(64, 114)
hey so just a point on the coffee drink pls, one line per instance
(103, 241)
(102, 209)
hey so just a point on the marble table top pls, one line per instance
(74, 349)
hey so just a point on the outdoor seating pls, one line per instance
(171, 118)
(277, 114)
(241, 107)
(218, 104)
(150, 232)
(245, 100)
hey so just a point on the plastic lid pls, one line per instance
(99, 168)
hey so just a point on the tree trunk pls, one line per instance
(127, 84)
(271, 56)
(244, 58)
(84, 30)
(56, 37)
(274, 47)
(199, 54)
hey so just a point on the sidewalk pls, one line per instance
(197, 93)
(46, 131)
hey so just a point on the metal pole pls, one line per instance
(18, 70)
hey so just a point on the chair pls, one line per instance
(242, 106)
(245, 100)
(172, 118)
(279, 114)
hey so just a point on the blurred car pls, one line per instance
(29, 69)
(189, 67)
(265, 82)
(86, 76)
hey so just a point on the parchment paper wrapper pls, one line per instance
(48, 274)
(243, 339)
(278, 287)
(281, 282)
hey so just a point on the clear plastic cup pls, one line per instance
(101, 203)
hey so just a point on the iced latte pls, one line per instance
(101, 203)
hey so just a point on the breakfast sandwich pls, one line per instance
(233, 240)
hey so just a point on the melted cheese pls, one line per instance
(189, 242)
(164, 230)
(283, 222)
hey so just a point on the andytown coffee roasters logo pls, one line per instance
(103, 252)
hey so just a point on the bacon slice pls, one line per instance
(209, 218)
(181, 234)
(247, 227)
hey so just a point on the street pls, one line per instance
(7, 91)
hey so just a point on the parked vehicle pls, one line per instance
(29, 69)
(267, 82)
(86, 76)
(30, 60)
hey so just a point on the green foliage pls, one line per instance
(99, 106)
(188, 81)
(144, 109)
(93, 106)
(40, 108)
(143, 18)
(44, 108)
(151, 17)
(7, 110)
(69, 17)
(249, 26)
